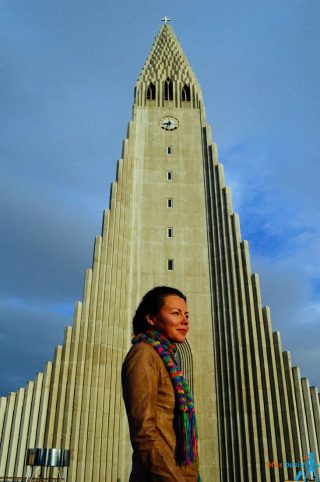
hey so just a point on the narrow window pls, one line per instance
(185, 93)
(169, 150)
(168, 89)
(170, 202)
(170, 232)
(169, 176)
(151, 92)
(170, 264)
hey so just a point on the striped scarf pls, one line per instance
(187, 450)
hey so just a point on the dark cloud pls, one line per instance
(44, 244)
(29, 333)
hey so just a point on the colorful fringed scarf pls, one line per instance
(187, 450)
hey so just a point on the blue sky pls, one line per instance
(68, 69)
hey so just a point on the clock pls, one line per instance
(169, 123)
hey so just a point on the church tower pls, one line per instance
(170, 221)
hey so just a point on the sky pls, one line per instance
(68, 70)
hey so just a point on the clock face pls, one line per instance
(169, 123)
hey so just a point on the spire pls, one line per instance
(167, 74)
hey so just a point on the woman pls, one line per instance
(158, 401)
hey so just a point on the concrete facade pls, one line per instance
(170, 221)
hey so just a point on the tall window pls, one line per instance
(169, 176)
(170, 202)
(170, 264)
(168, 89)
(170, 232)
(151, 92)
(169, 150)
(185, 93)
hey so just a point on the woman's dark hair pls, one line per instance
(151, 304)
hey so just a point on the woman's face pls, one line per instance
(172, 320)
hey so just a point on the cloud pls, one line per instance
(37, 237)
(278, 206)
(287, 289)
(29, 332)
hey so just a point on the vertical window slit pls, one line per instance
(151, 92)
(185, 93)
(168, 89)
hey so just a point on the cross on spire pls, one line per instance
(166, 20)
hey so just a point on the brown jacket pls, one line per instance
(150, 401)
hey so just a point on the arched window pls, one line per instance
(168, 89)
(185, 93)
(151, 92)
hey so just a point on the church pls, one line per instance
(169, 222)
